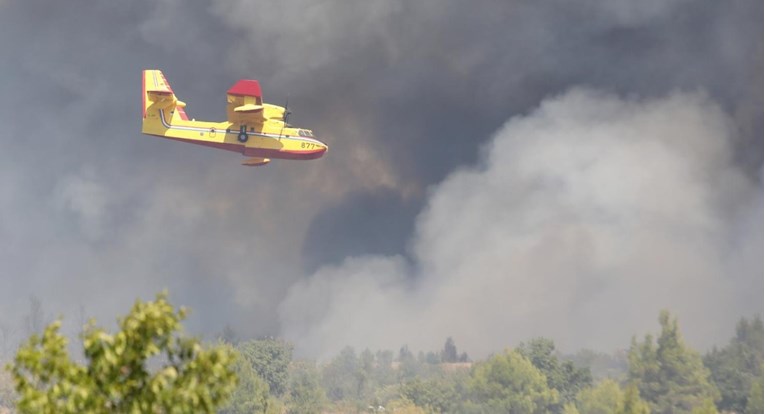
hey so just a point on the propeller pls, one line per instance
(286, 109)
(286, 115)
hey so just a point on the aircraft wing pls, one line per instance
(245, 103)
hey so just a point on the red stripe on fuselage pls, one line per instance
(255, 152)
(284, 155)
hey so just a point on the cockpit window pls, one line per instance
(305, 133)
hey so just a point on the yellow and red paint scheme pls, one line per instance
(254, 128)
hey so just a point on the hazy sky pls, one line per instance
(495, 172)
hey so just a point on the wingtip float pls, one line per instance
(253, 128)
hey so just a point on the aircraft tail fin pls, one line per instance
(158, 93)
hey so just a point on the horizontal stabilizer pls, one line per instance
(154, 81)
(157, 91)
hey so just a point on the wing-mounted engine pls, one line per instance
(273, 112)
(245, 103)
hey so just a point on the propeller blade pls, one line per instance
(287, 109)
(286, 115)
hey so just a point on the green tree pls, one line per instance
(509, 382)
(449, 354)
(738, 365)
(304, 395)
(365, 375)
(570, 408)
(563, 376)
(251, 394)
(408, 366)
(115, 378)
(270, 358)
(404, 354)
(605, 398)
(632, 403)
(353, 378)
(754, 404)
(432, 358)
(440, 394)
(670, 376)
(384, 374)
(341, 376)
(404, 406)
(706, 407)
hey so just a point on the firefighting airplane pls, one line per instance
(254, 128)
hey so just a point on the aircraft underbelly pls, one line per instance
(284, 155)
(254, 151)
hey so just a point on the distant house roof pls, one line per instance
(246, 87)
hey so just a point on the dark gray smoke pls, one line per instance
(93, 213)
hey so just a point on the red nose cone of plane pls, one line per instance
(317, 153)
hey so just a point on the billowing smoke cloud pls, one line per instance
(582, 221)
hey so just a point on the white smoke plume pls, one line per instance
(584, 219)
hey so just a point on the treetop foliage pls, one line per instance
(661, 374)
(670, 376)
(510, 383)
(251, 394)
(737, 366)
(563, 376)
(270, 357)
(116, 377)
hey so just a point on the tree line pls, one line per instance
(150, 366)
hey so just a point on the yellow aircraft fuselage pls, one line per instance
(254, 129)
